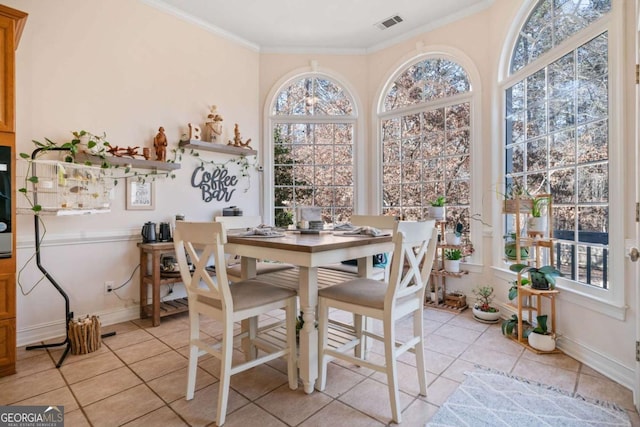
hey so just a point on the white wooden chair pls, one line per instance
(414, 250)
(383, 222)
(234, 270)
(228, 304)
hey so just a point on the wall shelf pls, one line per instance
(219, 148)
(126, 161)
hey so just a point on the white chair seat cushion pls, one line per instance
(252, 293)
(361, 291)
(235, 270)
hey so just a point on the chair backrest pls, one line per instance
(378, 221)
(202, 241)
(236, 222)
(415, 246)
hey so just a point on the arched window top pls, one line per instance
(427, 80)
(313, 96)
(550, 23)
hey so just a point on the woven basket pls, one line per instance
(84, 335)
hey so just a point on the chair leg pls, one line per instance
(392, 369)
(292, 358)
(194, 335)
(323, 341)
(360, 349)
(225, 372)
(418, 331)
(253, 331)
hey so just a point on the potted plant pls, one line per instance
(510, 327)
(537, 222)
(482, 309)
(436, 210)
(541, 278)
(540, 338)
(510, 248)
(452, 259)
(454, 237)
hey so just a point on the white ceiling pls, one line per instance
(319, 26)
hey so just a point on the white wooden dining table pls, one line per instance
(308, 252)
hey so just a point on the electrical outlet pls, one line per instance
(108, 287)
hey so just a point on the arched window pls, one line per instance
(557, 127)
(313, 125)
(426, 140)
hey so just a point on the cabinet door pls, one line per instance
(7, 296)
(7, 347)
(7, 74)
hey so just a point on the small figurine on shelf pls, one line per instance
(237, 140)
(214, 124)
(160, 144)
(194, 132)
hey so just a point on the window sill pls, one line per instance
(573, 296)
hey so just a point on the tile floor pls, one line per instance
(138, 378)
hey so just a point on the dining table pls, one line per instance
(308, 251)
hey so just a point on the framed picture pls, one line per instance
(140, 195)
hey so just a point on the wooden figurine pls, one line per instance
(194, 132)
(160, 144)
(237, 140)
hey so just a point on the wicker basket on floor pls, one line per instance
(84, 335)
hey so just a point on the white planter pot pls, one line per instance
(486, 315)
(436, 212)
(537, 225)
(542, 342)
(452, 266)
(452, 239)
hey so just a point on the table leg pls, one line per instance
(143, 287)
(155, 265)
(308, 359)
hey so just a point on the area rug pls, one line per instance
(493, 398)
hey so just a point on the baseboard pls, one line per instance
(52, 330)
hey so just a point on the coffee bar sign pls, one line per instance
(214, 185)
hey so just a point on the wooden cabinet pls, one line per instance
(12, 22)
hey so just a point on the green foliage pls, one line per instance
(541, 278)
(509, 325)
(539, 205)
(542, 325)
(513, 290)
(453, 254)
(439, 202)
(484, 296)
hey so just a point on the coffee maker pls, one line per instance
(165, 232)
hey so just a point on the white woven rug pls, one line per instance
(491, 398)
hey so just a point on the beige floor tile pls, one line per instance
(418, 413)
(546, 374)
(179, 339)
(90, 367)
(56, 354)
(490, 358)
(558, 360)
(634, 418)
(173, 386)
(123, 407)
(339, 414)
(587, 370)
(340, 380)
(143, 350)
(159, 365)
(437, 315)
(440, 390)
(458, 333)
(15, 389)
(75, 419)
(169, 325)
(257, 381)
(164, 417)
(437, 362)
(202, 409)
(292, 406)
(252, 415)
(456, 371)
(59, 397)
(468, 322)
(407, 378)
(430, 326)
(212, 364)
(445, 345)
(372, 398)
(22, 353)
(97, 388)
(605, 389)
(495, 341)
(120, 328)
(39, 362)
(127, 339)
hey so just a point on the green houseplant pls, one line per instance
(540, 337)
(452, 259)
(436, 210)
(482, 309)
(510, 326)
(537, 222)
(541, 278)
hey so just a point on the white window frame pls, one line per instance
(473, 97)
(272, 120)
(607, 301)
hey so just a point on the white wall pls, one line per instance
(124, 68)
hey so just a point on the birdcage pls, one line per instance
(62, 188)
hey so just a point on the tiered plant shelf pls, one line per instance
(218, 148)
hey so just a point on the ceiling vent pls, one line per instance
(389, 22)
